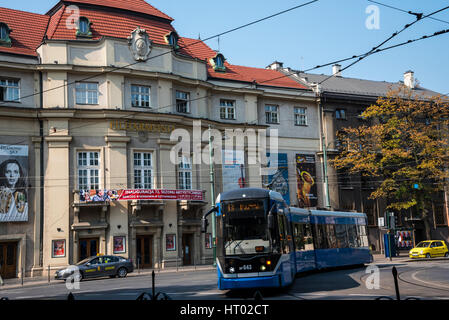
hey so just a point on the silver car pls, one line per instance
(94, 267)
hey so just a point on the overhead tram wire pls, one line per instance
(438, 33)
(405, 11)
(162, 54)
(387, 40)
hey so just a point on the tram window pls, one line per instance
(299, 236)
(331, 237)
(320, 240)
(352, 235)
(340, 231)
(282, 222)
(362, 235)
(308, 237)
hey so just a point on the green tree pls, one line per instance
(402, 144)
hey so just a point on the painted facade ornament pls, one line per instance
(140, 44)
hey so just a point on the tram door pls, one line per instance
(88, 248)
(144, 252)
(187, 246)
(8, 259)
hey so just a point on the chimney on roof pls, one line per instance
(336, 70)
(276, 65)
(409, 79)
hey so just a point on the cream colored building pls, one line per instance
(96, 111)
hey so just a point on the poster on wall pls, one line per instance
(233, 172)
(404, 239)
(120, 244)
(277, 180)
(170, 242)
(58, 248)
(306, 181)
(13, 183)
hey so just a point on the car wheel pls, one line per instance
(446, 254)
(428, 256)
(122, 272)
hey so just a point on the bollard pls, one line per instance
(194, 263)
(396, 285)
(48, 273)
(138, 266)
(22, 277)
(176, 264)
(152, 282)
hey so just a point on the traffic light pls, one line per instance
(396, 220)
(392, 220)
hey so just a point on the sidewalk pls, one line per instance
(39, 281)
(403, 258)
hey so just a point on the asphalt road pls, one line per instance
(423, 280)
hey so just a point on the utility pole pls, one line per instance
(212, 197)
(317, 90)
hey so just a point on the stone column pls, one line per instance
(36, 269)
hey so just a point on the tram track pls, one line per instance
(428, 284)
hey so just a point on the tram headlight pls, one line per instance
(268, 262)
(263, 268)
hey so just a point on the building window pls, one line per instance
(4, 34)
(172, 39)
(340, 114)
(182, 102)
(143, 170)
(86, 93)
(185, 174)
(218, 62)
(140, 96)
(9, 90)
(271, 114)
(227, 109)
(84, 27)
(301, 116)
(88, 169)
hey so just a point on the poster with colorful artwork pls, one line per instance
(277, 180)
(119, 244)
(306, 180)
(58, 248)
(170, 242)
(13, 183)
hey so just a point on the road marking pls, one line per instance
(428, 283)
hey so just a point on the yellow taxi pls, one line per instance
(429, 249)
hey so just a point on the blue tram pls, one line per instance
(262, 242)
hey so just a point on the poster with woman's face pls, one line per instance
(119, 244)
(305, 178)
(58, 248)
(13, 183)
(170, 242)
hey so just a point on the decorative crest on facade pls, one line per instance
(140, 44)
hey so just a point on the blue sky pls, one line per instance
(319, 33)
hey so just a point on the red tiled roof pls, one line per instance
(28, 30)
(267, 77)
(140, 6)
(107, 23)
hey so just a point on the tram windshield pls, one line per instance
(245, 227)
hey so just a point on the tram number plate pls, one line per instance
(246, 267)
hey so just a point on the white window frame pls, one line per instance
(182, 97)
(272, 113)
(11, 90)
(185, 180)
(140, 94)
(143, 170)
(88, 168)
(300, 116)
(84, 91)
(227, 109)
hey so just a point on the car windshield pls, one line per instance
(83, 261)
(423, 245)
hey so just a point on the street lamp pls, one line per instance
(212, 198)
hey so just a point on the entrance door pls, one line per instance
(88, 248)
(8, 259)
(187, 246)
(144, 252)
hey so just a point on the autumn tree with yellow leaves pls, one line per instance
(403, 145)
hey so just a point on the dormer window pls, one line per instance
(172, 39)
(4, 34)
(218, 62)
(84, 28)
